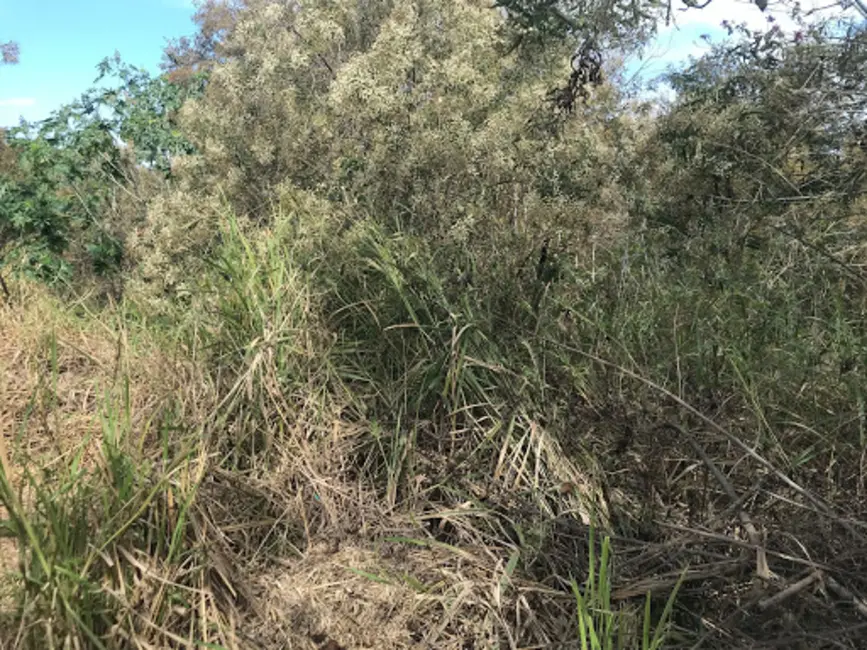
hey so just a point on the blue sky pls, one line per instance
(62, 41)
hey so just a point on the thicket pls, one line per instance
(73, 186)
(431, 285)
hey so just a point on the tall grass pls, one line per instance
(106, 555)
(353, 372)
(602, 625)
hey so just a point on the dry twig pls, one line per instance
(859, 603)
(791, 590)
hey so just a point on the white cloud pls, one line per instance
(18, 102)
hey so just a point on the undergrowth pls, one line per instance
(385, 360)
(352, 393)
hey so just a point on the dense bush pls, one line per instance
(438, 273)
(75, 184)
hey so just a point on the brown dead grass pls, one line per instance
(52, 407)
(318, 569)
(307, 548)
(393, 594)
(357, 597)
(49, 409)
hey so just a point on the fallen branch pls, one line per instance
(790, 591)
(859, 603)
(737, 542)
(762, 569)
(667, 581)
(818, 503)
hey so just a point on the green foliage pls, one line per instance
(66, 179)
(601, 625)
(787, 123)
(374, 217)
(483, 229)
(621, 21)
(59, 192)
(141, 110)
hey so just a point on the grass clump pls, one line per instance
(81, 534)
(103, 542)
(603, 626)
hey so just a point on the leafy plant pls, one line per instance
(142, 111)
(601, 625)
(67, 180)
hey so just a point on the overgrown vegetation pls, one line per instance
(74, 185)
(373, 315)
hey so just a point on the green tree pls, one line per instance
(413, 113)
(771, 123)
(73, 180)
(142, 110)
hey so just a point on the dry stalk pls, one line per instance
(859, 603)
(737, 542)
(4, 457)
(820, 505)
(667, 581)
(762, 569)
(790, 591)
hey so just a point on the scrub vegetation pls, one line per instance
(413, 324)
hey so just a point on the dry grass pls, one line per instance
(57, 366)
(290, 495)
(62, 370)
(398, 597)
(71, 416)
(301, 547)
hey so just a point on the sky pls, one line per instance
(62, 41)
(692, 31)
